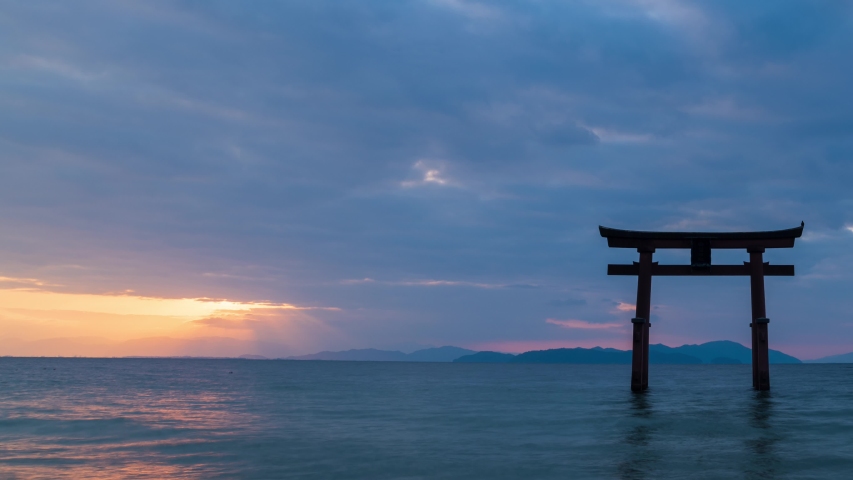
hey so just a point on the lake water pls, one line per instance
(162, 418)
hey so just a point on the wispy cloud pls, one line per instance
(428, 173)
(439, 283)
(30, 282)
(584, 325)
(32, 314)
(615, 136)
(730, 109)
(625, 307)
(56, 67)
(470, 9)
(126, 303)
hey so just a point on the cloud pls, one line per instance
(36, 315)
(439, 283)
(28, 282)
(428, 175)
(625, 307)
(610, 136)
(568, 302)
(470, 9)
(584, 325)
(239, 323)
(443, 149)
(57, 67)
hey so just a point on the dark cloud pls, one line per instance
(273, 150)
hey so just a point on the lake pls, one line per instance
(195, 418)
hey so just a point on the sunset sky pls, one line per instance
(284, 177)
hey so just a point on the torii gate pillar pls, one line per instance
(760, 349)
(640, 356)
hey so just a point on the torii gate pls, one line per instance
(700, 245)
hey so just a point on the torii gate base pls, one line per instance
(700, 245)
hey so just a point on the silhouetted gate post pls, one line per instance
(700, 244)
(760, 347)
(640, 353)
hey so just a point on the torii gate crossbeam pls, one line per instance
(700, 244)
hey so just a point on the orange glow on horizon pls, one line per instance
(128, 304)
(86, 324)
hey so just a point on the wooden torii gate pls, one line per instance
(700, 245)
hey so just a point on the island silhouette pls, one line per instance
(716, 352)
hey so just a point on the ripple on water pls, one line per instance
(158, 418)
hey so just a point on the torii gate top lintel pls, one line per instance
(639, 239)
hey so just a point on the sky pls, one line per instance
(279, 178)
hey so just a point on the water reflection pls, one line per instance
(87, 424)
(762, 458)
(641, 406)
(639, 458)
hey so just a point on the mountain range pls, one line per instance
(843, 358)
(440, 354)
(719, 352)
(224, 347)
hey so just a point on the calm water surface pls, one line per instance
(153, 418)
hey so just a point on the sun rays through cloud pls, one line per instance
(32, 315)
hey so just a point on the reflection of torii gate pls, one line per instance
(700, 245)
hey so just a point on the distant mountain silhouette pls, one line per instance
(720, 352)
(843, 358)
(358, 355)
(595, 355)
(253, 357)
(723, 351)
(485, 357)
(574, 355)
(440, 354)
